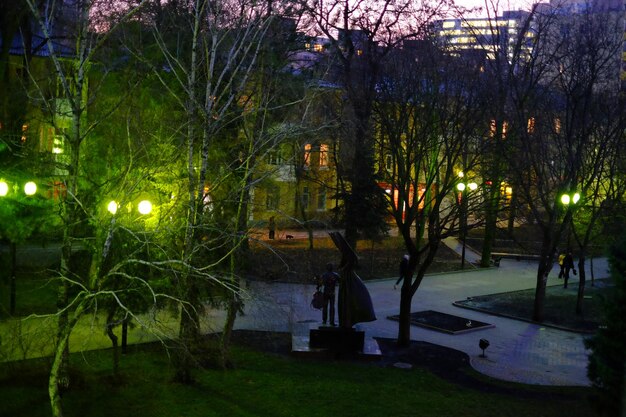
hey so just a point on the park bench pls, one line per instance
(496, 257)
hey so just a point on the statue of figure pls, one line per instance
(355, 303)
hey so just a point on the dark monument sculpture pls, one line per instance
(354, 306)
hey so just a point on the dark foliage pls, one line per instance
(608, 357)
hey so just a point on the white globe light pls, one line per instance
(576, 198)
(4, 188)
(30, 188)
(472, 186)
(565, 199)
(112, 207)
(144, 207)
(460, 186)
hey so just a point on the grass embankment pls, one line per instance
(265, 384)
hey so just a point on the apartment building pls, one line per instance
(482, 36)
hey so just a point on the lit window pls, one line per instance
(449, 24)
(506, 191)
(323, 155)
(307, 154)
(531, 126)
(557, 125)
(359, 52)
(24, 132)
(492, 128)
(389, 163)
(57, 145)
(318, 47)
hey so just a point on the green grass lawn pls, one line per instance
(264, 384)
(36, 293)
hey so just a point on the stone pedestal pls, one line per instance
(337, 339)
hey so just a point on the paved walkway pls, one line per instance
(518, 351)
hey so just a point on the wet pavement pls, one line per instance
(518, 351)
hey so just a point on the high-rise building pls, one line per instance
(485, 36)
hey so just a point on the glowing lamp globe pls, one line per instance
(144, 207)
(112, 207)
(30, 188)
(4, 188)
(460, 186)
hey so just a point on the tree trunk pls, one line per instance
(591, 269)
(581, 284)
(491, 224)
(542, 279)
(13, 281)
(114, 339)
(58, 379)
(233, 306)
(188, 337)
(125, 335)
(404, 324)
(55, 380)
(512, 214)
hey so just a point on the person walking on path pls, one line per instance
(272, 228)
(562, 270)
(329, 280)
(404, 270)
(568, 265)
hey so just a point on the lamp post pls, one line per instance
(4, 188)
(144, 207)
(6, 191)
(569, 200)
(463, 188)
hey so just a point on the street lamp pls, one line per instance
(30, 188)
(462, 199)
(4, 188)
(566, 199)
(144, 207)
(112, 207)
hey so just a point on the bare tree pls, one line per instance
(429, 113)
(223, 91)
(361, 34)
(554, 92)
(588, 81)
(502, 46)
(72, 45)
